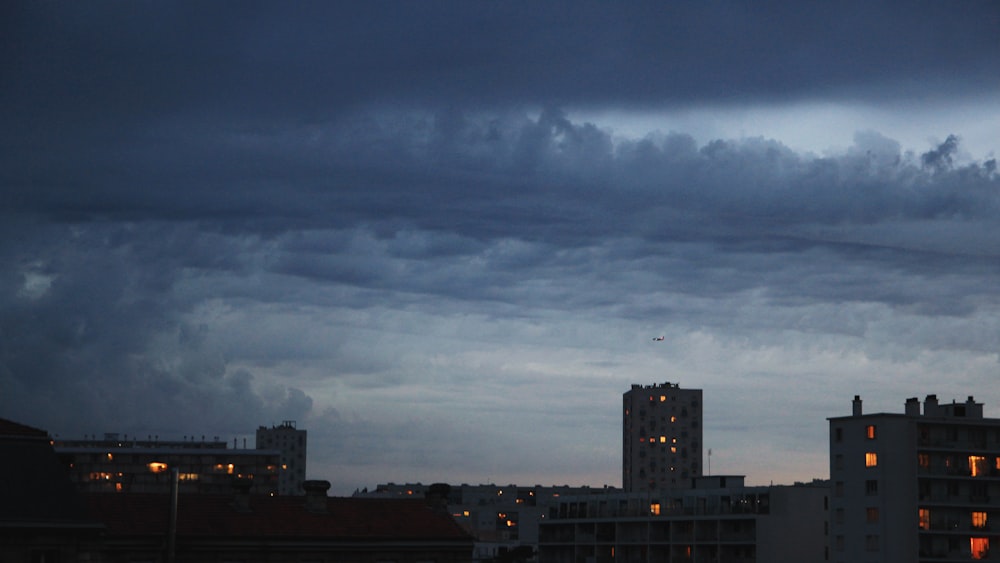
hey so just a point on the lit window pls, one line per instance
(977, 465)
(870, 431)
(871, 459)
(188, 476)
(924, 519)
(663, 439)
(654, 509)
(978, 519)
(980, 547)
(156, 467)
(663, 398)
(924, 460)
(673, 449)
(674, 419)
(110, 457)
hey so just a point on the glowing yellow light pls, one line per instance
(673, 419)
(156, 466)
(465, 513)
(110, 457)
(870, 431)
(118, 487)
(663, 398)
(663, 439)
(654, 509)
(924, 519)
(871, 459)
(979, 519)
(673, 449)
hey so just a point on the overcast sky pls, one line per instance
(441, 235)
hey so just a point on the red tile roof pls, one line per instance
(201, 515)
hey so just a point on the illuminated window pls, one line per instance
(924, 519)
(980, 547)
(977, 465)
(673, 449)
(188, 476)
(156, 467)
(663, 439)
(674, 419)
(871, 459)
(663, 398)
(978, 519)
(871, 514)
(924, 460)
(870, 431)
(118, 487)
(654, 509)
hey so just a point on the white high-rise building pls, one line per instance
(915, 487)
(291, 442)
(661, 437)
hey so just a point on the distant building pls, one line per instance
(661, 438)
(291, 443)
(118, 464)
(917, 486)
(503, 519)
(717, 520)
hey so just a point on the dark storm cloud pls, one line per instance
(78, 64)
(227, 214)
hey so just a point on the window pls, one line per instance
(871, 542)
(978, 519)
(977, 465)
(924, 460)
(871, 514)
(838, 461)
(871, 459)
(871, 487)
(838, 434)
(870, 431)
(838, 489)
(980, 547)
(924, 519)
(654, 509)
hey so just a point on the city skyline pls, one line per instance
(443, 236)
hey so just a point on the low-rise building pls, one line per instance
(718, 520)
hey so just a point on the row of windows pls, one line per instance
(838, 433)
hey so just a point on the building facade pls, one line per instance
(661, 437)
(717, 520)
(291, 443)
(119, 464)
(917, 486)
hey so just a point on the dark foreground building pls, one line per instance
(44, 519)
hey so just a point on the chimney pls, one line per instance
(912, 407)
(316, 495)
(931, 405)
(856, 405)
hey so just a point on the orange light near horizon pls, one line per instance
(156, 466)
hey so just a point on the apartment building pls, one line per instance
(718, 519)
(117, 463)
(291, 443)
(661, 437)
(917, 486)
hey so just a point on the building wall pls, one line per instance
(928, 494)
(291, 442)
(661, 437)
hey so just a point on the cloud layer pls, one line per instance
(389, 223)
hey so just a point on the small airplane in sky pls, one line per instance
(658, 338)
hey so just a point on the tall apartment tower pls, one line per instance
(291, 442)
(917, 486)
(661, 438)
